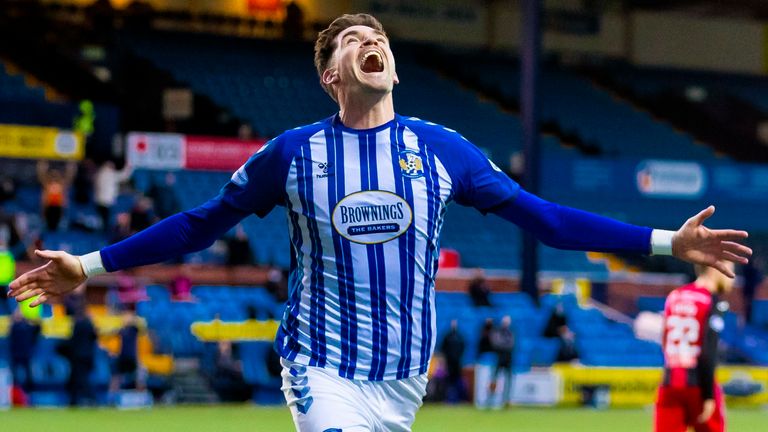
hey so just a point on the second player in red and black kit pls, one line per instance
(693, 318)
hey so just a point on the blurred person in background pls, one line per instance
(122, 228)
(181, 285)
(22, 339)
(126, 375)
(55, 191)
(503, 343)
(107, 187)
(752, 274)
(82, 185)
(557, 327)
(7, 189)
(484, 345)
(277, 284)
(689, 394)
(293, 24)
(479, 290)
(452, 347)
(10, 236)
(141, 214)
(228, 377)
(81, 350)
(165, 203)
(129, 291)
(239, 248)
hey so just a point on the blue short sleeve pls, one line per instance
(259, 185)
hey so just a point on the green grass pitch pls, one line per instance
(431, 418)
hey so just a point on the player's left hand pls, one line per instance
(706, 411)
(697, 244)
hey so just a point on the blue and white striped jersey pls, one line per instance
(365, 209)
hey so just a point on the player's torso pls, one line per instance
(685, 316)
(365, 211)
(383, 187)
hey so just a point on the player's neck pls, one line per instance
(706, 282)
(365, 113)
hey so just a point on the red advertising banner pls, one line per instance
(218, 154)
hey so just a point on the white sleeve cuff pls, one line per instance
(92, 264)
(661, 242)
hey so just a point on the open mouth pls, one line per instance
(372, 62)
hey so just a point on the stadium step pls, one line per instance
(189, 386)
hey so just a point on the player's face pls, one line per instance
(363, 61)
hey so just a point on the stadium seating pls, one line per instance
(578, 106)
(592, 330)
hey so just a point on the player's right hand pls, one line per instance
(707, 411)
(60, 275)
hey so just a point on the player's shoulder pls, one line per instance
(290, 140)
(430, 131)
(303, 133)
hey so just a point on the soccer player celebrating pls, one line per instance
(366, 191)
(693, 317)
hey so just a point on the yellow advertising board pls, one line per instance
(35, 142)
(628, 387)
(248, 330)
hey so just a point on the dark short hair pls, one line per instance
(325, 44)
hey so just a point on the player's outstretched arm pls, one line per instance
(60, 275)
(697, 244)
(179, 234)
(567, 228)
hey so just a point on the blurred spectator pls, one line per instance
(228, 378)
(138, 15)
(293, 24)
(479, 290)
(10, 237)
(484, 343)
(239, 248)
(181, 285)
(277, 284)
(126, 364)
(164, 200)
(100, 16)
(22, 338)
(437, 383)
(128, 291)
(82, 185)
(107, 186)
(245, 132)
(753, 277)
(74, 304)
(7, 189)
(452, 347)
(81, 349)
(503, 343)
(557, 327)
(122, 228)
(141, 214)
(55, 189)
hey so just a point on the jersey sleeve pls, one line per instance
(476, 181)
(259, 185)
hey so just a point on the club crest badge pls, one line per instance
(410, 164)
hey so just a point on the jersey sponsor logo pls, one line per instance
(370, 217)
(410, 164)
